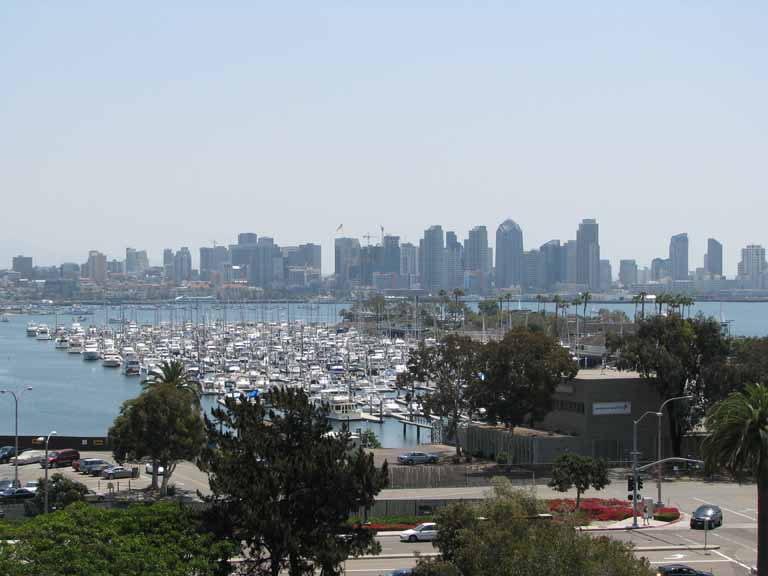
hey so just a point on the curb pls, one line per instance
(627, 528)
(673, 548)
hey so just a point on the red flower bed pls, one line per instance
(388, 527)
(595, 508)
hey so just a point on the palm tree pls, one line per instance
(558, 303)
(443, 299)
(576, 302)
(738, 442)
(172, 373)
(586, 297)
(642, 297)
(457, 293)
(636, 301)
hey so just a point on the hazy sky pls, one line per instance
(160, 124)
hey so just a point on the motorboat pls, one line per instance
(32, 330)
(111, 360)
(75, 344)
(91, 350)
(61, 342)
(43, 333)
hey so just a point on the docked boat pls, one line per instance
(131, 364)
(32, 330)
(75, 344)
(91, 351)
(111, 360)
(43, 333)
(339, 407)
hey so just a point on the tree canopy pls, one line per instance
(284, 485)
(580, 472)
(61, 493)
(162, 425)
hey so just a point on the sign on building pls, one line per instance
(611, 408)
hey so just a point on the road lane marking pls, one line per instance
(728, 510)
(736, 542)
(732, 560)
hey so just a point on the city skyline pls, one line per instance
(125, 130)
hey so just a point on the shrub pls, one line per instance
(666, 514)
(502, 459)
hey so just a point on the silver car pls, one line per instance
(116, 472)
(417, 458)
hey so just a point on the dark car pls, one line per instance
(60, 458)
(707, 516)
(680, 570)
(16, 495)
(400, 572)
(6, 453)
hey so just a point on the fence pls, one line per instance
(456, 475)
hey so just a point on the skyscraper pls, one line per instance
(97, 266)
(571, 257)
(346, 261)
(588, 254)
(678, 256)
(509, 254)
(606, 275)
(409, 260)
(432, 258)
(23, 265)
(212, 261)
(713, 259)
(752, 266)
(182, 265)
(453, 262)
(553, 264)
(627, 273)
(391, 256)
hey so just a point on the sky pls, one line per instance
(167, 124)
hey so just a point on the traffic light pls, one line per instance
(639, 483)
(630, 496)
(630, 483)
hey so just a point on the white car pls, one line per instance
(148, 469)
(31, 485)
(422, 533)
(29, 457)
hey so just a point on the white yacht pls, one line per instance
(91, 350)
(111, 360)
(43, 333)
(75, 344)
(32, 329)
(340, 407)
(131, 364)
(61, 342)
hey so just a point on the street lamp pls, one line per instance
(635, 455)
(46, 439)
(658, 468)
(16, 399)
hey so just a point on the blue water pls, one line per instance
(76, 398)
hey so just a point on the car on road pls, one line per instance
(707, 516)
(8, 483)
(148, 469)
(32, 485)
(93, 496)
(114, 472)
(6, 453)
(400, 572)
(61, 458)
(411, 458)
(15, 495)
(93, 466)
(680, 570)
(29, 457)
(425, 532)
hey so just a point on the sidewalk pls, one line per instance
(626, 524)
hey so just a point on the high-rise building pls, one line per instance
(571, 257)
(432, 257)
(606, 275)
(713, 259)
(476, 257)
(753, 266)
(678, 256)
(588, 254)
(182, 265)
(23, 265)
(533, 276)
(346, 261)
(553, 264)
(130, 261)
(97, 266)
(168, 260)
(247, 239)
(660, 269)
(311, 256)
(453, 262)
(212, 260)
(627, 273)
(409, 260)
(391, 255)
(509, 254)
(142, 261)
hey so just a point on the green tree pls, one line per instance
(520, 374)
(284, 486)
(61, 493)
(452, 366)
(488, 307)
(368, 439)
(162, 425)
(163, 539)
(738, 443)
(581, 472)
(511, 540)
(680, 357)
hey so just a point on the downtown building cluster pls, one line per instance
(256, 266)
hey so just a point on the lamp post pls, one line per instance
(635, 455)
(47, 439)
(658, 454)
(16, 399)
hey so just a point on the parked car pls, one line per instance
(148, 469)
(93, 496)
(116, 472)
(93, 466)
(61, 458)
(417, 458)
(400, 572)
(6, 453)
(422, 533)
(5, 484)
(707, 516)
(680, 570)
(29, 457)
(32, 485)
(16, 495)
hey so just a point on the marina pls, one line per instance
(351, 373)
